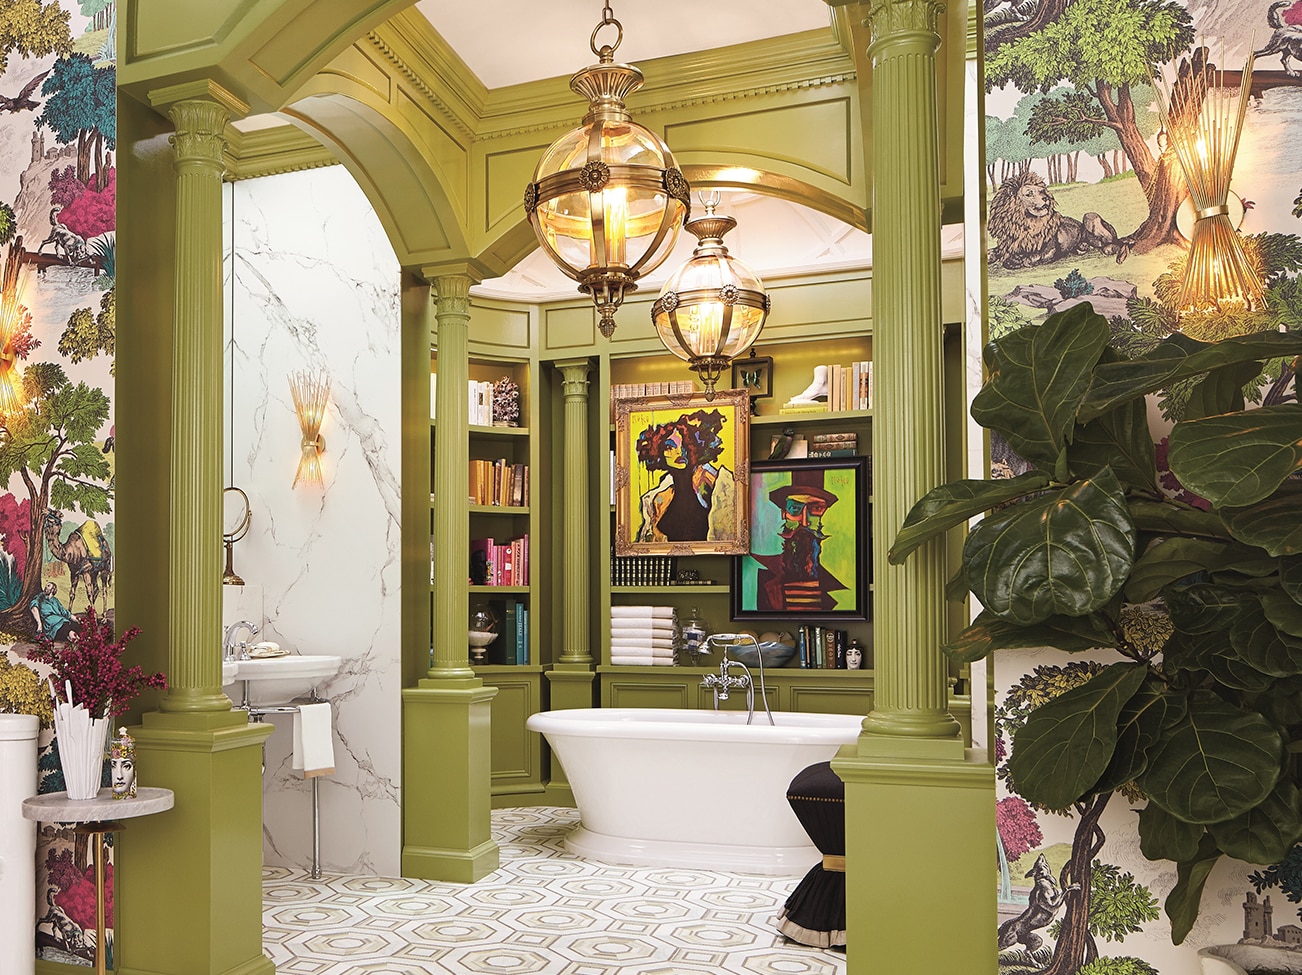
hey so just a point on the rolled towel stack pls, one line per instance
(642, 635)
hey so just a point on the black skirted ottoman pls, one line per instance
(815, 912)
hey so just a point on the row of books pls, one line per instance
(848, 388)
(512, 644)
(643, 570)
(499, 482)
(822, 648)
(505, 564)
(619, 391)
(479, 401)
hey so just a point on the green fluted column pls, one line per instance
(447, 717)
(909, 613)
(917, 805)
(194, 589)
(451, 475)
(189, 881)
(576, 645)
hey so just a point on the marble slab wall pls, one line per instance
(316, 287)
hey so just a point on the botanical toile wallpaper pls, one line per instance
(1082, 207)
(58, 88)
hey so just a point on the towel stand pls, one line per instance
(257, 714)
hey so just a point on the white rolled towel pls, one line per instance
(639, 612)
(314, 741)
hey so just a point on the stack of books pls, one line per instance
(499, 482)
(506, 564)
(849, 388)
(834, 444)
(512, 644)
(642, 570)
(821, 647)
(619, 391)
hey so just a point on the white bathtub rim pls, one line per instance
(783, 861)
(679, 724)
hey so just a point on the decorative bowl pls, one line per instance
(772, 654)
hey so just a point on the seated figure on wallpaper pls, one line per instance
(695, 498)
(52, 618)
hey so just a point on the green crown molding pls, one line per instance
(270, 152)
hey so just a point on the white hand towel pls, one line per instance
(655, 612)
(641, 626)
(314, 743)
(635, 660)
(639, 642)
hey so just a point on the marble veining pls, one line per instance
(316, 286)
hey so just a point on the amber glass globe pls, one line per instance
(607, 199)
(712, 308)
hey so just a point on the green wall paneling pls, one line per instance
(640, 687)
(517, 764)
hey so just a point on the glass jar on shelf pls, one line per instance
(692, 639)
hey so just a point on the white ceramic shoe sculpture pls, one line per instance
(816, 390)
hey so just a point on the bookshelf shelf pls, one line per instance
(498, 509)
(499, 589)
(634, 590)
(789, 419)
(480, 431)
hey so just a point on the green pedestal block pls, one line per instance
(446, 781)
(569, 686)
(920, 839)
(189, 881)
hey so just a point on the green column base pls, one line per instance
(189, 880)
(571, 686)
(446, 781)
(919, 846)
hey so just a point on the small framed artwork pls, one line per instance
(754, 374)
(682, 474)
(809, 538)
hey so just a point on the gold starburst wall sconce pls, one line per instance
(311, 393)
(15, 333)
(1203, 119)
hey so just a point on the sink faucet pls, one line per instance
(723, 682)
(228, 640)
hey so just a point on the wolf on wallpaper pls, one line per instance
(1083, 195)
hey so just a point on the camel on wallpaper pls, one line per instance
(87, 555)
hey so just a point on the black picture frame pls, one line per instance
(837, 589)
(754, 375)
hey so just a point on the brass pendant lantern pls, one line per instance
(712, 308)
(607, 200)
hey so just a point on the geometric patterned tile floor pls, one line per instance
(542, 912)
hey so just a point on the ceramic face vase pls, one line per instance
(122, 762)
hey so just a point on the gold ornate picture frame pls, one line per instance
(682, 474)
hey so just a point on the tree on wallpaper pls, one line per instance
(33, 28)
(1097, 900)
(81, 105)
(50, 444)
(1104, 49)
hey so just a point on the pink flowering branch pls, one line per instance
(91, 661)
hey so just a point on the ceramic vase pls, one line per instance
(17, 843)
(81, 741)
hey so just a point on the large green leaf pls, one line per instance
(1171, 559)
(1206, 608)
(1062, 553)
(1239, 458)
(1163, 837)
(1171, 517)
(1283, 612)
(1150, 710)
(1256, 640)
(1215, 763)
(1221, 390)
(1067, 742)
(1274, 524)
(1179, 358)
(1217, 654)
(1290, 576)
(989, 633)
(1265, 833)
(952, 504)
(1037, 376)
(1190, 877)
(1120, 440)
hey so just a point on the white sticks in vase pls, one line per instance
(81, 744)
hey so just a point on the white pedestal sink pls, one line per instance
(274, 681)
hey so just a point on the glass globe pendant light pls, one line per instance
(607, 200)
(712, 308)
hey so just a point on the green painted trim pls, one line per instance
(458, 866)
(254, 966)
(271, 152)
(972, 771)
(203, 89)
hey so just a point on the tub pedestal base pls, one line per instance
(778, 861)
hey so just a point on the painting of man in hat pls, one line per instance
(806, 553)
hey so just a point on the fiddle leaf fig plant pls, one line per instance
(1201, 598)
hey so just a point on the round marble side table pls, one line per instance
(94, 818)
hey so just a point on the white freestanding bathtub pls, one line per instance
(685, 788)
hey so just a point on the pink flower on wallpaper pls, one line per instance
(84, 211)
(1017, 827)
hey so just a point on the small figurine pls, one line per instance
(122, 761)
(854, 656)
(506, 403)
(816, 391)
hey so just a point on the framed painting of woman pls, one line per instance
(682, 474)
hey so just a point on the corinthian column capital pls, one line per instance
(888, 17)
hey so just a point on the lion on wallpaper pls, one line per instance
(1024, 218)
